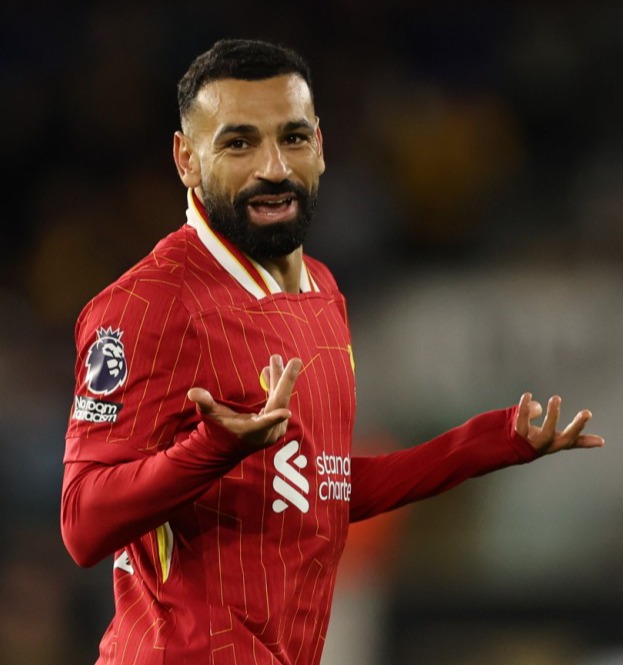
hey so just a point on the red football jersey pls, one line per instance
(224, 554)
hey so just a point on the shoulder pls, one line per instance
(326, 283)
(170, 273)
(163, 269)
(141, 297)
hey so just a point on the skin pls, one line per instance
(239, 133)
(548, 439)
(270, 424)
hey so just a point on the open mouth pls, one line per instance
(273, 208)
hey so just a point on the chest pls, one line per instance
(237, 342)
(305, 477)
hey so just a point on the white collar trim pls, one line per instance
(233, 265)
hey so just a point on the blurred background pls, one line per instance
(471, 210)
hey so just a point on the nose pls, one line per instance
(272, 164)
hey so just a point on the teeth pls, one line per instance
(273, 203)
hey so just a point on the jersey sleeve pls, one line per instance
(137, 356)
(485, 443)
(106, 506)
(136, 447)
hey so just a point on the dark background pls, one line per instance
(471, 211)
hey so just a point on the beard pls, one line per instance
(270, 241)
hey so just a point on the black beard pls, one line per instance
(232, 221)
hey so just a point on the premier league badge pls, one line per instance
(106, 365)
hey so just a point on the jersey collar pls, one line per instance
(246, 271)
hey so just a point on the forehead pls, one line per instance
(277, 99)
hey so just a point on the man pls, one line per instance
(220, 477)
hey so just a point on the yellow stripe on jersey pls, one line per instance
(165, 548)
(352, 357)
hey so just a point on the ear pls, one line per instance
(186, 160)
(319, 143)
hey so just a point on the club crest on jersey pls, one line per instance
(106, 365)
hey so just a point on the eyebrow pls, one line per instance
(291, 126)
(235, 129)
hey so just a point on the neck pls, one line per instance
(286, 270)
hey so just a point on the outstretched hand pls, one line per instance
(547, 439)
(270, 424)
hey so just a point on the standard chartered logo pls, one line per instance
(336, 485)
(294, 496)
(293, 487)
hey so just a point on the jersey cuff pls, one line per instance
(210, 445)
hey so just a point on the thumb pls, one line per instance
(202, 398)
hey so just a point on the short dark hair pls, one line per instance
(245, 59)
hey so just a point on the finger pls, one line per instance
(574, 428)
(528, 409)
(572, 436)
(590, 441)
(210, 407)
(522, 421)
(262, 429)
(276, 370)
(535, 409)
(268, 420)
(552, 415)
(265, 429)
(202, 398)
(280, 397)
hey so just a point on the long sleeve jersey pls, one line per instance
(224, 553)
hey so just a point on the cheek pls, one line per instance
(308, 167)
(228, 177)
(217, 183)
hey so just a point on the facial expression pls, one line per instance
(252, 150)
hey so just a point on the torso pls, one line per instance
(244, 574)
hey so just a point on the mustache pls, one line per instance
(270, 188)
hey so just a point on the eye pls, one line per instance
(295, 139)
(238, 144)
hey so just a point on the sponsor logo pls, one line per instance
(293, 493)
(293, 488)
(106, 365)
(336, 486)
(95, 410)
